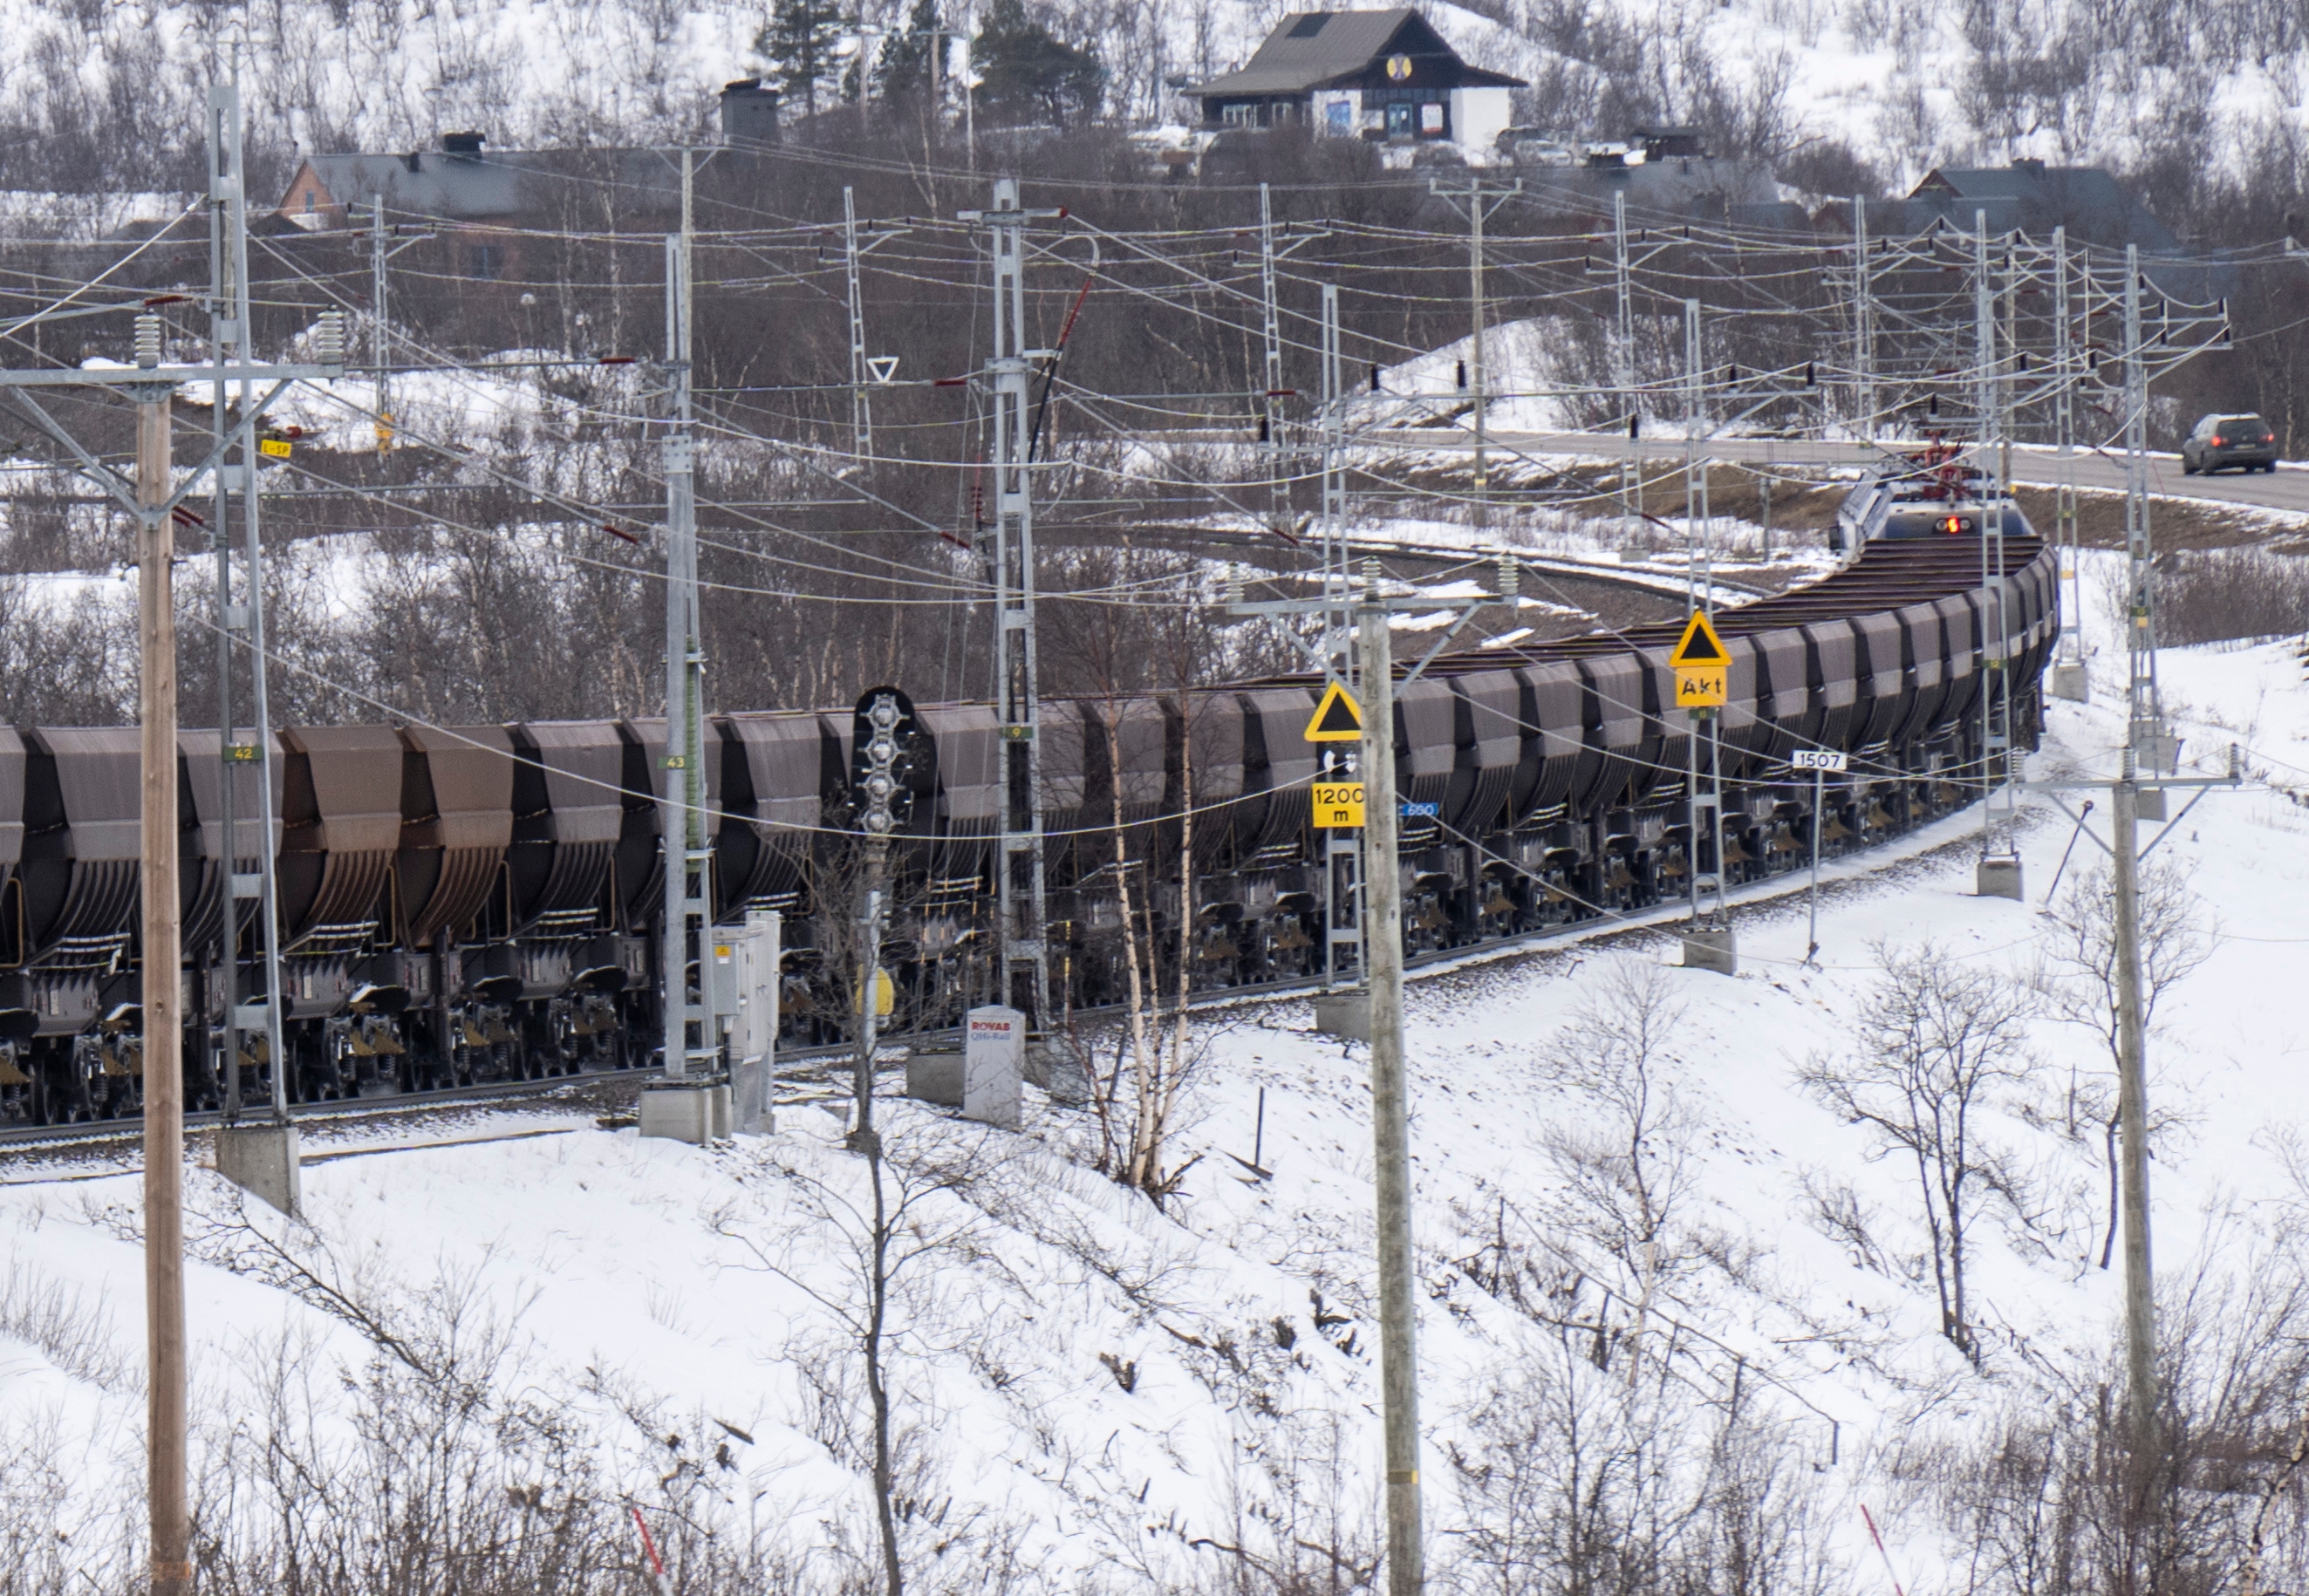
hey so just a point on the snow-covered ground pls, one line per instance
(1114, 1387)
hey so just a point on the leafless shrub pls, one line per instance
(1575, 1480)
(1150, 1266)
(1942, 1048)
(2077, 977)
(446, 1461)
(2214, 595)
(60, 1529)
(1306, 1523)
(1628, 1159)
(66, 1326)
(891, 1219)
(1841, 1214)
(2041, 1495)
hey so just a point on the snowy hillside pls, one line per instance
(1091, 1394)
(1895, 86)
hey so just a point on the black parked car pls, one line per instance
(2219, 440)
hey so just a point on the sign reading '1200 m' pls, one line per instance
(1338, 805)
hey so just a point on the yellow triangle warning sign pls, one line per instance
(1701, 645)
(1337, 719)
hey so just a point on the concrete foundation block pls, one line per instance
(262, 1160)
(692, 1111)
(1343, 1014)
(935, 1077)
(1055, 1065)
(1999, 878)
(750, 1113)
(1715, 950)
(2068, 683)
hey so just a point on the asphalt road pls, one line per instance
(2287, 489)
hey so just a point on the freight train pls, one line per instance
(478, 903)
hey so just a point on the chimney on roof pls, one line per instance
(2028, 164)
(465, 146)
(749, 113)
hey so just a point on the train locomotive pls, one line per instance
(1933, 494)
(478, 903)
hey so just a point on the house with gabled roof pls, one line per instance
(482, 199)
(2032, 198)
(1383, 75)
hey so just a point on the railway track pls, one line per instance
(1658, 581)
(811, 1075)
(477, 904)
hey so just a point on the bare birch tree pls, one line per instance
(1627, 1159)
(2077, 975)
(1941, 1047)
(912, 1212)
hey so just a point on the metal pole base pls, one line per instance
(1999, 878)
(692, 1111)
(1343, 1014)
(1715, 950)
(2068, 684)
(261, 1159)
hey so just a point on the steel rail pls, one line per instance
(796, 1062)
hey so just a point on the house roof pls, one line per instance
(1314, 50)
(2029, 194)
(2033, 198)
(1680, 185)
(461, 187)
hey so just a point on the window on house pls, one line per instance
(1240, 116)
(309, 202)
(484, 261)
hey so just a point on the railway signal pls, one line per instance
(882, 729)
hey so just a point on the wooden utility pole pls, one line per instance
(1390, 1106)
(2143, 1426)
(2133, 1114)
(163, 1022)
